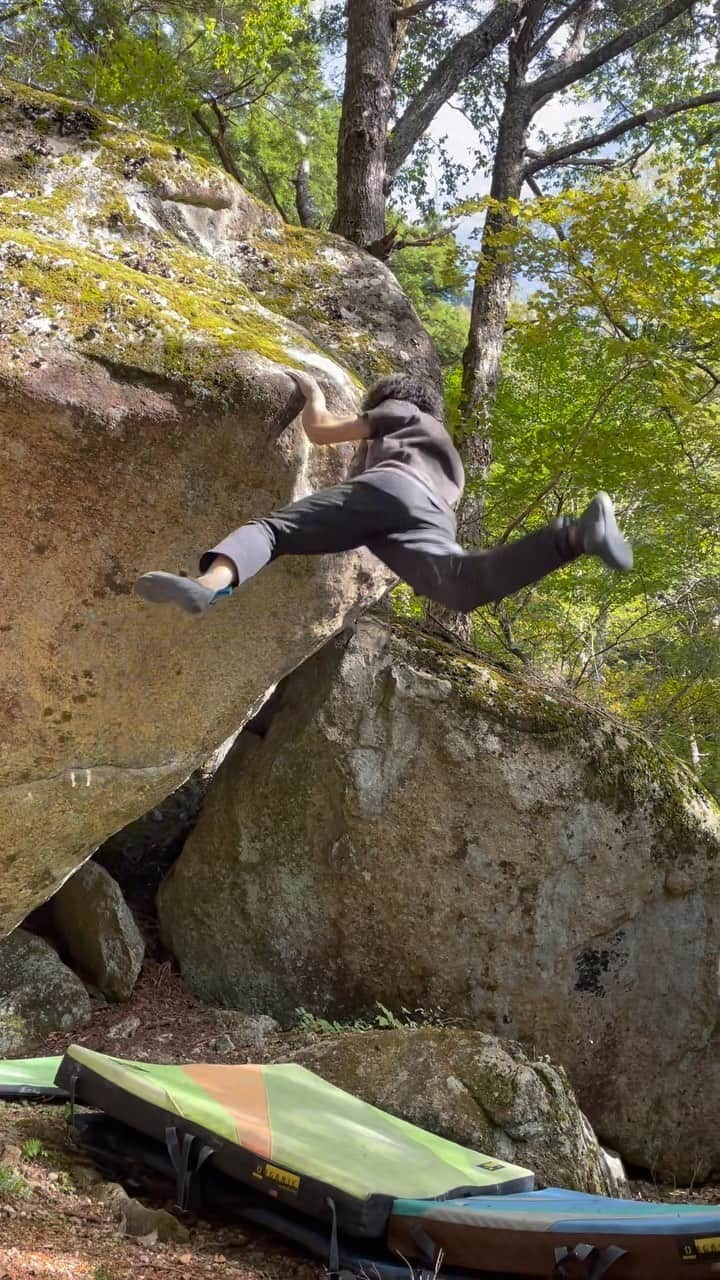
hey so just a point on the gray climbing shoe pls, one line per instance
(170, 588)
(597, 534)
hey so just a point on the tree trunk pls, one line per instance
(306, 211)
(491, 295)
(367, 100)
(695, 753)
(596, 671)
(218, 140)
(493, 283)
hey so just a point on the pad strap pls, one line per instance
(180, 1156)
(597, 1261)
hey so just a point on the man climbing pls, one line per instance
(406, 479)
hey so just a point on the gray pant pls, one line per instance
(409, 530)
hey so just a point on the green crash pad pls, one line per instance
(32, 1078)
(286, 1131)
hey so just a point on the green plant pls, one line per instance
(12, 1184)
(33, 1149)
(383, 1020)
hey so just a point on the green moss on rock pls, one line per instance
(622, 767)
(122, 248)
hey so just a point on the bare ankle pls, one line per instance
(222, 573)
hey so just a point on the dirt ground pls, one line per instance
(54, 1226)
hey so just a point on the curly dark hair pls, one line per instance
(405, 386)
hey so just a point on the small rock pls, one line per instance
(85, 1176)
(38, 324)
(126, 1027)
(147, 1241)
(137, 1220)
(109, 1193)
(223, 1044)
(10, 1157)
(245, 1028)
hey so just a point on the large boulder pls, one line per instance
(38, 994)
(474, 1089)
(148, 306)
(98, 930)
(420, 829)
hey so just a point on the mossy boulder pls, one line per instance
(418, 828)
(38, 994)
(98, 931)
(473, 1089)
(149, 306)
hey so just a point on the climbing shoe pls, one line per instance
(186, 593)
(596, 534)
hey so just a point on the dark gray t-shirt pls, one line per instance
(404, 439)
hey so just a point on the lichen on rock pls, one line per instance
(473, 1089)
(445, 835)
(152, 258)
(149, 308)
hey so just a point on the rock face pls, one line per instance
(98, 929)
(473, 1089)
(38, 994)
(418, 829)
(148, 305)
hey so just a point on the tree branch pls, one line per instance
(421, 242)
(521, 42)
(217, 139)
(710, 372)
(558, 229)
(402, 14)
(601, 300)
(551, 83)
(17, 11)
(236, 88)
(561, 155)
(618, 643)
(554, 26)
(466, 55)
(576, 44)
(271, 191)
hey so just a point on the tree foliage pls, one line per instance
(610, 380)
(236, 80)
(434, 276)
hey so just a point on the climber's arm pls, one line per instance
(322, 427)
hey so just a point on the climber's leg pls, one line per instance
(463, 580)
(332, 520)
(436, 566)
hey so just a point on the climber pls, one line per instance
(398, 502)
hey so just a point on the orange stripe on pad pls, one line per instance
(241, 1091)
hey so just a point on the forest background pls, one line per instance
(543, 180)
